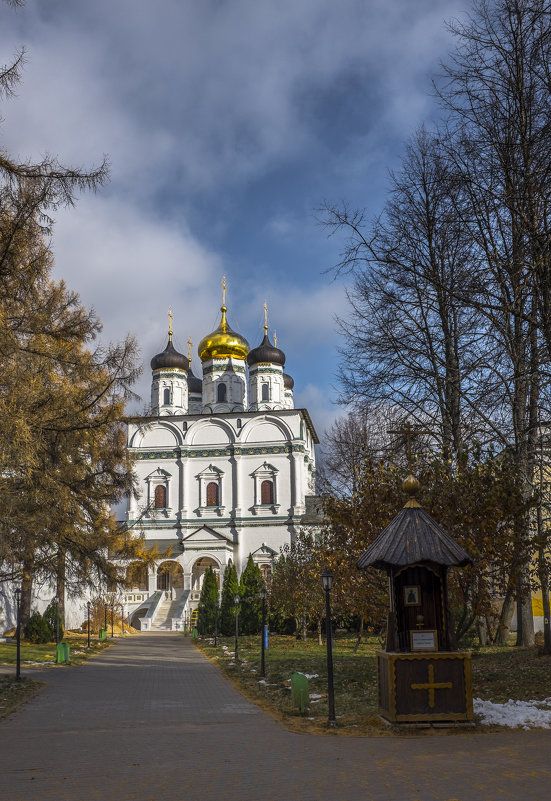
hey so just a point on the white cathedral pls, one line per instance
(225, 467)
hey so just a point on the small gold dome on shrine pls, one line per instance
(411, 487)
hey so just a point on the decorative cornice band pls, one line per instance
(265, 368)
(209, 453)
(222, 367)
(169, 372)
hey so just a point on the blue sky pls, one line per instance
(227, 124)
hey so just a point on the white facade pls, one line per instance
(233, 484)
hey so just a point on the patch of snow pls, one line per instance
(312, 675)
(515, 714)
(262, 681)
(315, 696)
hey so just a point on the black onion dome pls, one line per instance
(194, 384)
(169, 359)
(266, 352)
(288, 382)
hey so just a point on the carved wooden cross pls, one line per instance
(431, 686)
(409, 431)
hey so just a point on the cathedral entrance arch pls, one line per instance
(198, 570)
(170, 575)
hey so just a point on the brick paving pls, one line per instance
(151, 718)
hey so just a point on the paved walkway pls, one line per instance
(151, 718)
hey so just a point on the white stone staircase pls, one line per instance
(163, 618)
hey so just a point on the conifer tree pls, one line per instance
(250, 615)
(209, 597)
(230, 589)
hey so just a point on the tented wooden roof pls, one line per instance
(413, 537)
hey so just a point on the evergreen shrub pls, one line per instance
(49, 617)
(38, 630)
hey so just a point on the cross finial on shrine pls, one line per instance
(223, 290)
(189, 343)
(170, 323)
(265, 318)
(409, 431)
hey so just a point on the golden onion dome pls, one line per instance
(223, 343)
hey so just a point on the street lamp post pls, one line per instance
(216, 624)
(263, 639)
(105, 618)
(122, 619)
(236, 601)
(18, 633)
(88, 605)
(112, 614)
(327, 584)
(202, 605)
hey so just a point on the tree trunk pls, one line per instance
(360, 635)
(304, 633)
(507, 609)
(525, 618)
(482, 625)
(320, 640)
(26, 595)
(544, 583)
(60, 584)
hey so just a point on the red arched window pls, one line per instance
(212, 494)
(160, 497)
(267, 492)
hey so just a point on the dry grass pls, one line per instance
(14, 693)
(498, 674)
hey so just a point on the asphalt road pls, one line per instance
(151, 718)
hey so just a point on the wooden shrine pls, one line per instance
(422, 676)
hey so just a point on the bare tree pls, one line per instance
(496, 91)
(410, 343)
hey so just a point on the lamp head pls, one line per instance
(236, 600)
(327, 580)
(263, 593)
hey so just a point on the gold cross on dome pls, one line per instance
(408, 431)
(189, 349)
(431, 686)
(275, 338)
(223, 290)
(265, 317)
(170, 323)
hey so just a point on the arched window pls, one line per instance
(265, 392)
(267, 492)
(160, 497)
(212, 494)
(166, 397)
(221, 393)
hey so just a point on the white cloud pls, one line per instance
(131, 267)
